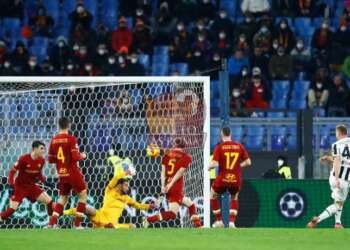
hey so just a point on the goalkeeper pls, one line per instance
(114, 201)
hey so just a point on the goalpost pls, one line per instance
(121, 113)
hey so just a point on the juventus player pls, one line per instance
(339, 178)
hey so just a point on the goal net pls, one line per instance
(121, 113)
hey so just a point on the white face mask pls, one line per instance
(257, 84)
(275, 45)
(70, 66)
(200, 38)
(236, 93)
(32, 63)
(197, 54)
(180, 27)
(223, 15)
(324, 26)
(280, 162)
(80, 9)
(319, 85)
(82, 52)
(7, 64)
(101, 51)
(300, 45)
(200, 27)
(222, 35)
(139, 12)
(133, 60)
(242, 39)
(75, 47)
(283, 26)
(343, 28)
(88, 67)
(61, 44)
(216, 58)
(121, 59)
(111, 60)
(244, 72)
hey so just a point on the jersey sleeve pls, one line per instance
(216, 154)
(52, 156)
(115, 180)
(164, 160)
(137, 205)
(17, 166)
(186, 161)
(244, 153)
(76, 156)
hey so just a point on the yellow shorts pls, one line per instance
(100, 220)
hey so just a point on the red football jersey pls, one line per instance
(173, 160)
(29, 170)
(229, 155)
(65, 154)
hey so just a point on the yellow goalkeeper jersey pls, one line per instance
(114, 204)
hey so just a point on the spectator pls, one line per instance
(123, 68)
(206, 11)
(122, 36)
(101, 57)
(202, 43)
(89, 69)
(318, 94)
(256, 7)
(11, 8)
(42, 23)
(242, 81)
(285, 35)
(214, 66)
(3, 52)
(19, 57)
(338, 97)
(7, 69)
(247, 27)
(140, 15)
(322, 38)
(80, 16)
(236, 62)
(81, 57)
(222, 43)
(60, 53)
(305, 8)
(281, 65)
(142, 38)
(346, 12)
(180, 46)
(263, 39)
(82, 35)
(242, 44)
(342, 36)
(124, 103)
(136, 68)
(70, 69)
(47, 68)
(301, 56)
(222, 23)
(32, 68)
(111, 68)
(197, 61)
(237, 102)
(200, 29)
(257, 95)
(103, 35)
(284, 7)
(274, 47)
(258, 59)
(164, 24)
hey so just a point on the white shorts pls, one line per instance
(339, 194)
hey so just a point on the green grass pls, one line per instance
(162, 239)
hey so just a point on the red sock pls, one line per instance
(153, 218)
(80, 213)
(165, 215)
(57, 211)
(7, 213)
(233, 210)
(50, 208)
(192, 210)
(215, 207)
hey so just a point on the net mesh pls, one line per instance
(116, 115)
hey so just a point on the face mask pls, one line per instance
(82, 52)
(32, 63)
(222, 35)
(121, 60)
(280, 162)
(197, 54)
(216, 58)
(180, 27)
(133, 60)
(139, 12)
(200, 27)
(283, 26)
(101, 51)
(263, 29)
(319, 85)
(205, 1)
(242, 39)
(236, 93)
(80, 9)
(7, 64)
(244, 72)
(201, 39)
(223, 15)
(111, 60)
(60, 44)
(256, 84)
(75, 47)
(88, 67)
(248, 19)
(324, 26)
(70, 66)
(300, 45)
(343, 28)
(280, 53)
(275, 45)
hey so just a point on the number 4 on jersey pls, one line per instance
(346, 152)
(60, 155)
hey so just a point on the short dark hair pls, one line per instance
(179, 143)
(63, 123)
(122, 181)
(37, 144)
(342, 129)
(226, 131)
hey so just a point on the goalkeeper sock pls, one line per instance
(50, 208)
(80, 213)
(233, 210)
(7, 213)
(328, 212)
(57, 211)
(215, 207)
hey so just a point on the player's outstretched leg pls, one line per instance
(192, 210)
(328, 212)
(57, 211)
(163, 216)
(9, 211)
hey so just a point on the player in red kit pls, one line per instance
(29, 168)
(65, 154)
(230, 156)
(174, 165)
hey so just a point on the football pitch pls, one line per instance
(163, 239)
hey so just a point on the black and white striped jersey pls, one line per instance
(341, 148)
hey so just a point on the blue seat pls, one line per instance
(319, 112)
(161, 50)
(40, 41)
(278, 103)
(144, 59)
(40, 52)
(229, 6)
(300, 89)
(68, 6)
(214, 89)
(110, 13)
(255, 130)
(159, 69)
(254, 142)
(281, 88)
(91, 6)
(160, 59)
(317, 21)
(181, 68)
(297, 104)
(306, 34)
(275, 114)
(237, 132)
(302, 22)
(278, 137)
(214, 136)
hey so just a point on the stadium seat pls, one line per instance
(297, 104)
(214, 89)
(278, 137)
(110, 13)
(40, 52)
(181, 68)
(317, 22)
(68, 6)
(144, 59)
(160, 59)
(306, 34)
(278, 103)
(214, 136)
(300, 90)
(161, 51)
(254, 142)
(255, 130)
(275, 114)
(281, 88)
(53, 9)
(302, 22)
(159, 69)
(319, 112)
(237, 132)
(229, 6)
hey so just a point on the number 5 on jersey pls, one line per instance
(231, 159)
(60, 155)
